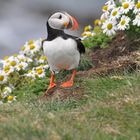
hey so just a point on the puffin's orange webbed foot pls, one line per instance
(70, 82)
(52, 85)
(67, 84)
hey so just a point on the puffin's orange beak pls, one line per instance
(75, 25)
(66, 24)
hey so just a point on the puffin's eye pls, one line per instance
(60, 16)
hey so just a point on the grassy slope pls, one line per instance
(111, 111)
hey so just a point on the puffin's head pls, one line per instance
(62, 20)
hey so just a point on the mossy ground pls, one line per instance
(110, 110)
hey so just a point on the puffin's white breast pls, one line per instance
(61, 53)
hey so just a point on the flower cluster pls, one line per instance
(30, 62)
(120, 15)
(37, 72)
(88, 32)
(32, 48)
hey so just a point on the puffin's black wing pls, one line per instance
(80, 46)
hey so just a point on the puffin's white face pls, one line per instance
(62, 21)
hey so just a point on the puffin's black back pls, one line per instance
(54, 33)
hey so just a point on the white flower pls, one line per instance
(11, 98)
(3, 77)
(42, 59)
(137, 7)
(105, 8)
(136, 21)
(115, 13)
(104, 16)
(88, 28)
(23, 58)
(110, 2)
(87, 34)
(28, 60)
(22, 66)
(45, 66)
(12, 61)
(40, 72)
(97, 22)
(31, 74)
(6, 91)
(31, 47)
(5, 62)
(127, 5)
(124, 23)
(37, 72)
(109, 27)
(8, 69)
(4, 95)
(108, 6)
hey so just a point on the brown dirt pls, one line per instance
(61, 94)
(120, 46)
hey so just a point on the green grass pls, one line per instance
(111, 111)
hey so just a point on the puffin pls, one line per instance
(63, 51)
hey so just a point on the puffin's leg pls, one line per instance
(52, 83)
(71, 81)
